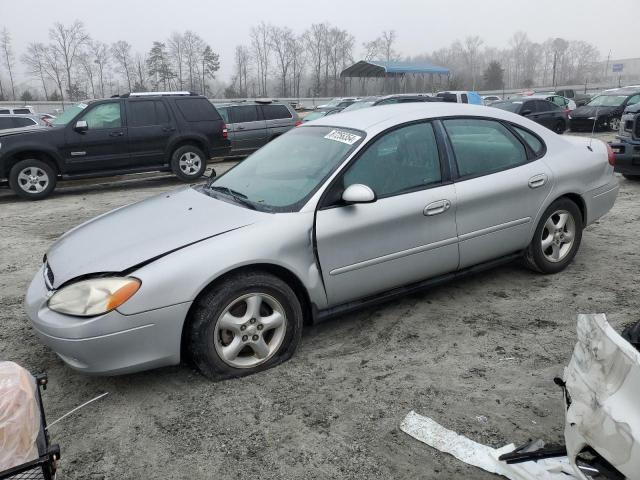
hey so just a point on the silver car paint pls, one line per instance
(373, 258)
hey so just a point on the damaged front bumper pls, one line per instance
(602, 387)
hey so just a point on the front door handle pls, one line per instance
(435, 208)
(168, 129)
(537, 180)
(116, 134)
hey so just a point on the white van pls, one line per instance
(24, 110)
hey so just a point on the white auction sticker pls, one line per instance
(342, 136)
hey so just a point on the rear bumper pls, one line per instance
(220, 151)
(584, 124)
(108, 344)
(627, 157)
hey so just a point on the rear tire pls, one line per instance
(556, 239)
(249, 323)
(559, 127)
(32, 179)
(188, 163)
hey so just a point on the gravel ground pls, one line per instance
(487, 346)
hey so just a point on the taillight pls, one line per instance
(298, 123)
(611, 155)
(225, 132)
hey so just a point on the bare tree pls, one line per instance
(315, 42)
(176, 53)
(261, 51)
(281, 41)
(387, 41)
(121, 52)
(34, 60)
(87, 65)
(298, 61)
(193, 48)
(471, 51)
(100, 53)
(7, 57)
(54, 68)
(242, 58)
(67, 41)
(140, 73)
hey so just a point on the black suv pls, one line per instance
(132, 133)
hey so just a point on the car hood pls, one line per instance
(587, 111)
(137, 233)
(35, 129)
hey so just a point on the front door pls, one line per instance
(499, 190)
(407, 235)
(150, 130)
(104, 146)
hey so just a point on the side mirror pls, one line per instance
(358, 193)
(81, 126)
(524, 113)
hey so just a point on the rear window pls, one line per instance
(197, 109)
(224, 112)
(21, 111)
(274, 112)
(530, 139)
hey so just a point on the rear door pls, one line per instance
(499, 190)
(150, 131)
(278, 119)
(104, 146)
(548, 113)
(407, 235)
(249, 127)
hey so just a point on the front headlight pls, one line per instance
(92, 297)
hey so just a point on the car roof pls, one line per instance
(20, 115)
(374, 120)
(621, 91)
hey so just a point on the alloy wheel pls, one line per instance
(558, 235)
(250, 330)
(33, 179)
(190, 163)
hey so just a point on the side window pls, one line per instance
(530, 139)
(142, 113)
(23, 122)
(4, 111)
(402, 160)
(483, 146)
(106, 115)
(162, 114)
(21, 111)
(197, 109)
(224, 113)
(464, 98)
(529, 105)
(244, 113)
(275, 112)
(633, 100)
(6, 122)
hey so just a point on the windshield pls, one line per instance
(313, 116)
(69, 113)
(508, 106)
(359, 105)
(333, 103)
(607, 101)
(286, 171)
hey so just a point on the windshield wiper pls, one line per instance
(237, 196)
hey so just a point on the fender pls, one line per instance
(10, 149)
(185, 138)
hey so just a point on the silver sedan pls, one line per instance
(344, 211)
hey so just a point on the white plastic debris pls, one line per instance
(435, 435)
(19, 416)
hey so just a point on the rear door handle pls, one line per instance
(116, 134)
(537, 180)
(437, 207)
(168, 129)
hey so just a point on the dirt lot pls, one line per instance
(488, 346)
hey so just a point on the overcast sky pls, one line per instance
(421, 25)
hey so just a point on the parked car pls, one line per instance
(321, 112)
(579, 98)
(20, 121)
(173, 131)
(488, 99)
(334, 215)
(253, 124)
(461, 96)
(604, 111)
(566, 104)
(390, 100)
(539, 110)
(23, 110)
(627, 148)
(342, 102)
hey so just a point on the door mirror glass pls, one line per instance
(81, 126)
(358, 193)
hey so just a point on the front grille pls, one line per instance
(49, 274)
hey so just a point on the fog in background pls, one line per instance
(252, 44)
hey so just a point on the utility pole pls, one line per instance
(606, 68)
(555, 59)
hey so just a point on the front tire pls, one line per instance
(556, 239)
(32, 179)
(188, 163)
(249, 323)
